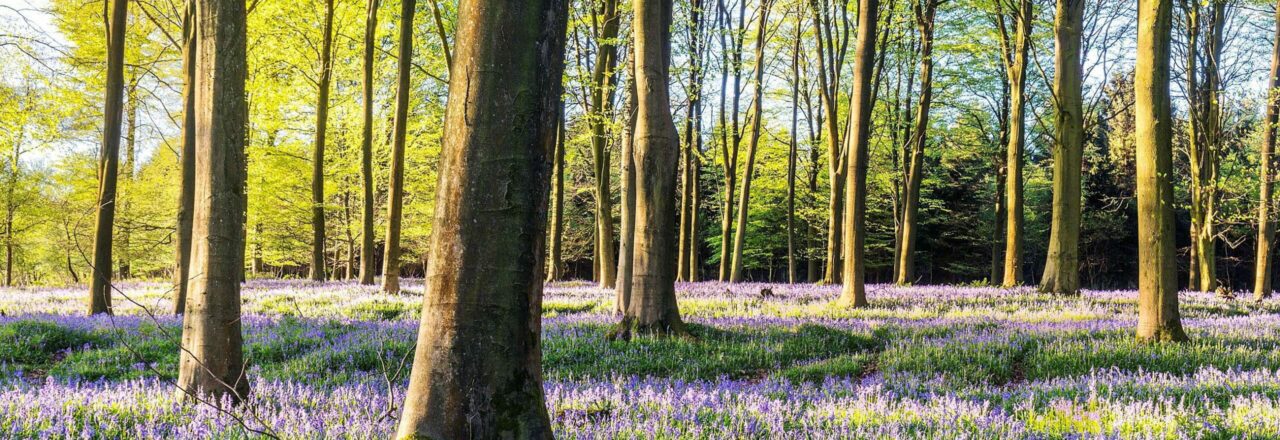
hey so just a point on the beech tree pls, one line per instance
(925, 12)
(395, 199)
(186, 194)
(860, 104)
(757, 105)
(366, 147)
(477, 369)
(1015, 60)
(109, 160)
(1062, 265)
(317, 155)
(211, 359)
(1266, 175)
(1158, 318)
(651, 307)
(603, 82)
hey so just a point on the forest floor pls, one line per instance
(331, 360)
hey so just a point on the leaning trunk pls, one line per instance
(915, 169)
(1266, 226)
(186, 194)
(109, 161)
(395, 202)
(757, 97)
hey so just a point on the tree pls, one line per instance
(627, 225)
(651, 307)
(477, 369)
(1062, 265)
(757, 105)
(1015, 59)
(832, 41)
(730, 134)
(108, 163)
(555, 268)
(186, 195)
(395, 202)
(211, 361)
(1204, 36)
(925, 11)
(317, 157)
(854, 294)
(366, 147)
(603, 82)
(1266, 225)
(1158, 318)
(687, 269)
(792, 151)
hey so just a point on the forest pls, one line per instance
(639, 219)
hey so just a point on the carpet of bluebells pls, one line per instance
(331, 361)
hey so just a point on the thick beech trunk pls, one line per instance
(211, 361)
(1062, 266)
(477, 369)
(651, 307)
(1158, 318)
(109, 160)
(854, 292)
(395, 198)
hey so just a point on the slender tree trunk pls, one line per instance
(123, 202)
(1017, 72)
(1062, 267)
(792, 151)
(395, 202)
(915, 172)
(556, 267)
(186, 194)
(1158, 318)
(1266, 225)
(757, 103)
(477, 369)
(317, 158)
(367, 268)
(211, 361)
(652, 305)
(998, 229)
(1204, 42)
(108, 163)
(603, 82)
(854, 294)
(685, 271)
(734, 142)
(829, 74)
(627, 232)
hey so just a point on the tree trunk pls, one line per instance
(186, 194)
(1204, 43)
(915, 170)
(395, 202)
(1158, 318)
(1062, 266)
(757, 103)
(603, 83)
(733, 136)
(854, 294)
(556, 267)
(652, 305)
(627, 232)
(317, 158)
(109, 161)
(1266, 226)
(792, 151)
(367, 268)
(686, 270)
(477, 369)
(829, 67)
(212, 358)
(1017, 72)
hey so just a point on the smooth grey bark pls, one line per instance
(211, 362)
(109, 160)
(854, 293)
(477, 369)
(317, 156)
(186, 194)
(652, 306)
(395, 202)
(367, 268)
(627, 208)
